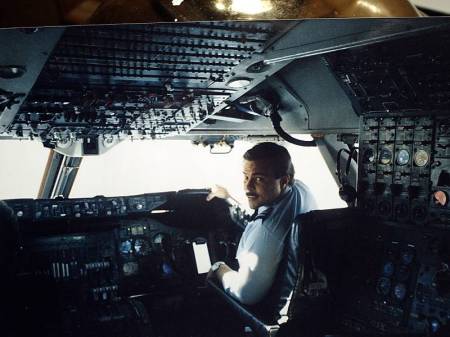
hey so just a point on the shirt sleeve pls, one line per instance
(257, 266)
(308, 202)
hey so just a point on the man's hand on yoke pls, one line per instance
(218, 192)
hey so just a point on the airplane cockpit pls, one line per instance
(372, 96)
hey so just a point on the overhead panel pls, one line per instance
(411, 76)
(136, 81)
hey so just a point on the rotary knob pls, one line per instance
(388, 269)
(400, 291)
(435, 325)
(384, 286)
(440, 198)
(368, 156)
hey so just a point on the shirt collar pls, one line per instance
(276, 201)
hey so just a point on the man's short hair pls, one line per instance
(278, 157)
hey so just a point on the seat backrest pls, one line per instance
(275, 303)
(309, 271)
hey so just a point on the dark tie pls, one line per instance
(255, 213)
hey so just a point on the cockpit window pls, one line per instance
(21, 169)
(155, 166)
(171, 165)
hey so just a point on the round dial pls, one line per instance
(161, 242)
(421, 158)
(368, 156)
(400, 291)
(388, 269)
(435, 325)
(130, 268)
(160, 238)
(141, 247)
(384, 207)
(403, 157)
(383, 286)
(126, 247)
(385, 156)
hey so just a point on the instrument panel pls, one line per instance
(150, 236)
(404, 165)
(404, 287)
(98, 255)
(157, 257)
(103, 84)
(382, 78)
(45, 210)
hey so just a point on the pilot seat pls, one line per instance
(302, 298)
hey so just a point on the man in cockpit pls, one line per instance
(277, 199)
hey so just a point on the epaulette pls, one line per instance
(264, 214)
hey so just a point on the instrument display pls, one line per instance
(403, 157)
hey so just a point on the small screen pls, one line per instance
(202, 257)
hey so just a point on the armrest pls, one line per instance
(246, 313)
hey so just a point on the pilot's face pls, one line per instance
(260, 184)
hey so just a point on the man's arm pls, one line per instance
(221, 193)
(257, 267)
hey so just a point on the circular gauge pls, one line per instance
(368, 156)
(141, 247)
(383, 286)
(388, 269)
(384, 208)
(400, 291)
(125, 247)
(167, 270)
(160, 238)
(130, 268)
(161, 241)
(421, 158)
(407, 256)
(403, 157)
(385, 156)
(435, 325)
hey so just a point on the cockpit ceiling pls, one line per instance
(149, 81)
(146, 81)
